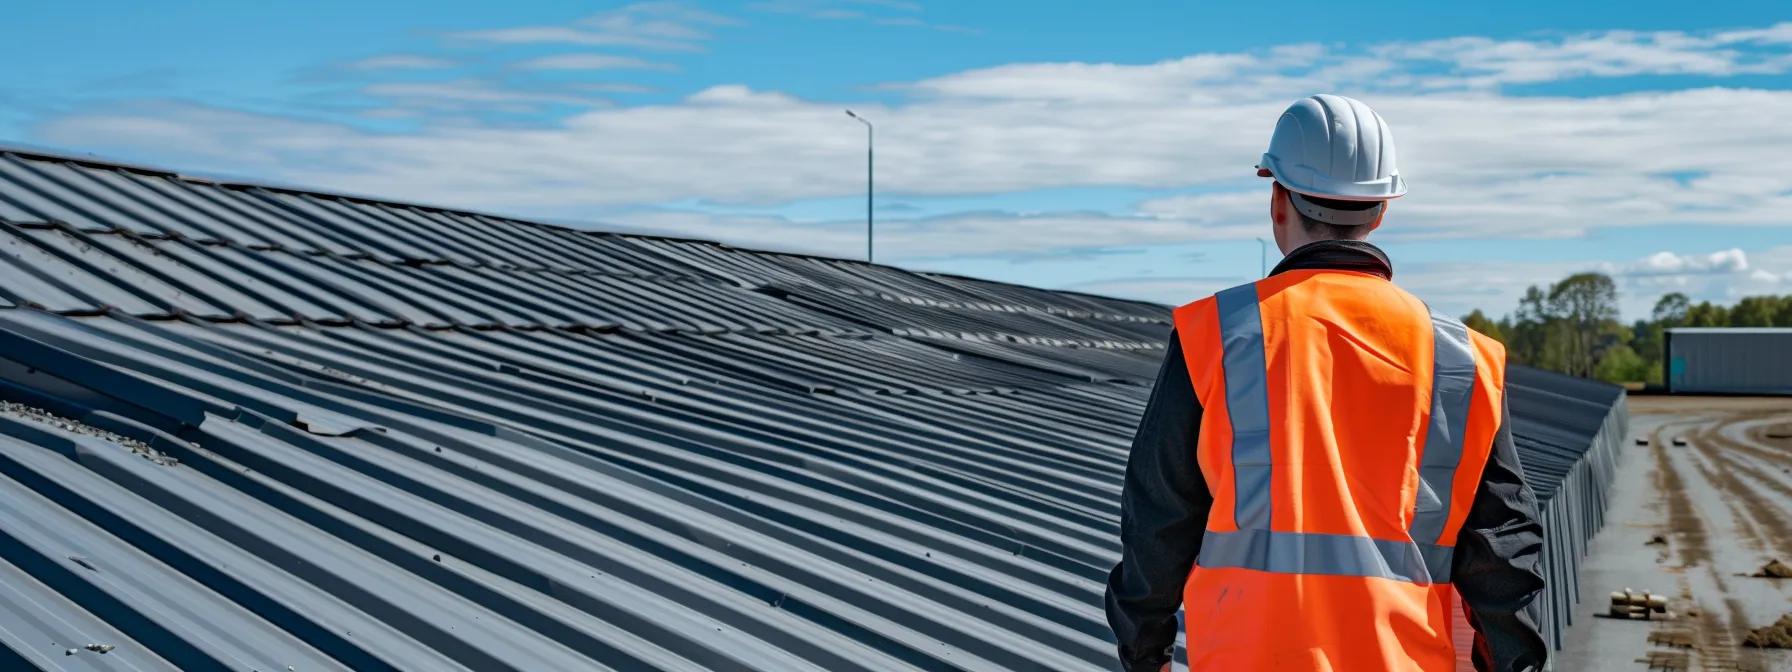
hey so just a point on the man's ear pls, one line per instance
(1383, 215)
(1278, 202)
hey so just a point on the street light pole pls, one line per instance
(1262, 257)
(870, 140)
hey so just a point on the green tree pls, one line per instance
(1584, 307)
(1483, 324)
(1573, 327)
(1621, 364)
(1648, 337)
(1526, 331)
(1670, 310)
(1783, 318)
(1755, 311)
(1706, 315)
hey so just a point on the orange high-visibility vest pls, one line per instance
(1346, 426)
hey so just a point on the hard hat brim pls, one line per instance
(1335, 216)
(1308, 181)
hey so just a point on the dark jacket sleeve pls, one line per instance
(1495, 569)
(1163, 510)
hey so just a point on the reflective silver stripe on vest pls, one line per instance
(1254, 546)
(1247, 403)
(1329, 554)
(1452, 383)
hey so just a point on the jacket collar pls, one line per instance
(1338, 255)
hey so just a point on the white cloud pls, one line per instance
(566, 35)
(1494, 287)
(391, 113)
(473, 94)
(873, 10)
(1671, 264)
(665, 26)
(592, 62)
(1480, 61)
(899, 5)
(1473, 161)
(611, 87)
(921, 240)
(401, 62)
(1481, 164)
(1472, 64)
(1780, 33)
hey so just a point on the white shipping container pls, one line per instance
(1750, 360)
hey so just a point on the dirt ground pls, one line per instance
(1722, 507)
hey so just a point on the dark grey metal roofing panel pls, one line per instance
(78, 556)
(68, 280)
(439, 238)
(747, 270)
(191, 289)
(30, 185)
(26, 276)
(158, 277)
(37, 621)
(17, 215)
(226, 215)
(231, 277)
(117, 199)
(353, 234)
(1063, 302)
(335, 278)
(520, 250)
(131, 268)
(543, 245)
(145, 210)
(778, 463)
(943, 624)
(624, 253)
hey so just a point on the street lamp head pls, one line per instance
(850, 114)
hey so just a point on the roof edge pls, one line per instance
(41, 153)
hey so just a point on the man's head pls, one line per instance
(1294, 226)
(1332, 159)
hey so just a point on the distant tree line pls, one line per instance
(1573, 327)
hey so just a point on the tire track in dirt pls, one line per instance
(1683, 521)
(1765, 513)
(1741, 519)
(1775, 438)
(1716, 632)
(1726, 460)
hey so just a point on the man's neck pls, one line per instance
(1338, 255)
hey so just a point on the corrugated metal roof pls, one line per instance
(290, 429)
(1778, 331)
(1739, 361)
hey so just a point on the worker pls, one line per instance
(1325, 472)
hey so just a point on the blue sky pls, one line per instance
(1050, 143)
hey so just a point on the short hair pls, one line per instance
(1326, 230)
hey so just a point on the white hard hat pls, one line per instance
(1333, 147)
